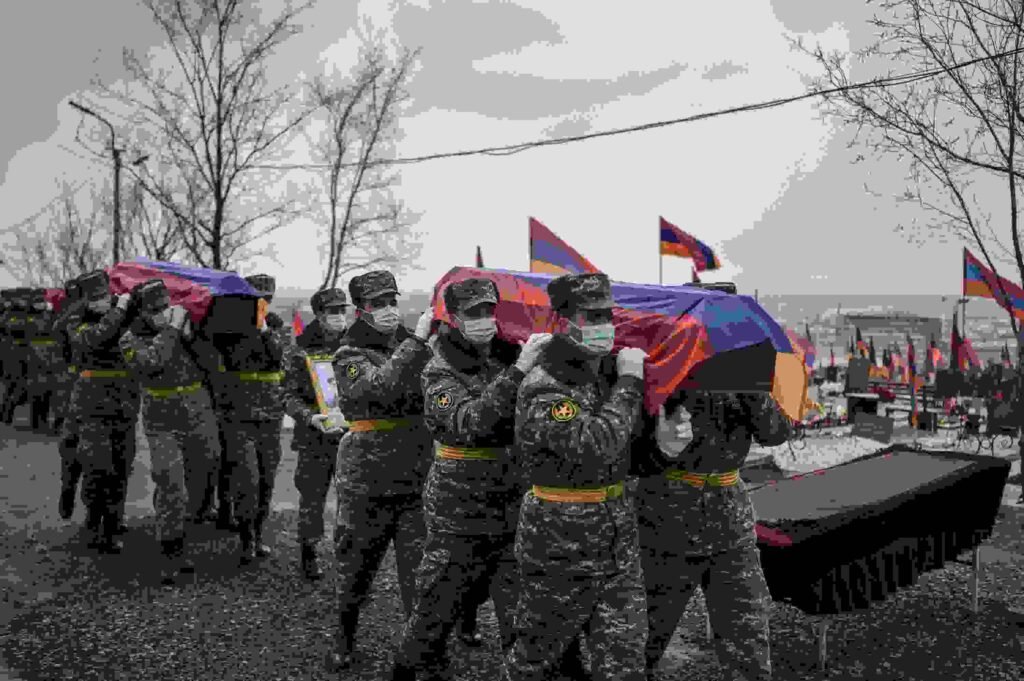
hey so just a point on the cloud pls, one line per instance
(723, 70)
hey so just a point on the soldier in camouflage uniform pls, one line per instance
(384, 457)
(697, 528)
(471, 498)
(577, 542)
(314, 440)
(67, 422)
(251, 403)
(169, 362)
(16, 359)
(46, 371)
(106, 402)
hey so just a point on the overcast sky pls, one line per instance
(773, 192)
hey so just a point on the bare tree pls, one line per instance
(366, 226)
(961, 129)
(63, 242)
(151, 231)
(219, 120)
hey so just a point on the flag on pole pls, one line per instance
(297, 325)
(979, 281)
(862, 347)
(956, 343)
(912, 367)
(936, 355)
(675, 241)
(479, 258)
(832, 356)
(871, 351)
(1007, 361)
(551, 255)
(694, 278)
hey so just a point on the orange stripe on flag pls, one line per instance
(789, 386)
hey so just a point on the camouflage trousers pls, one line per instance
(252, 452)
(454, 567)
(183, 460)
(106, 452)
(314, 471)
(737, 600)
(365, 527)
(555, 606)
(70, 463)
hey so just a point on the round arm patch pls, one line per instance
(564, 410)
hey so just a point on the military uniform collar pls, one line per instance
(362, 335)
(316, 336)
(567, 363)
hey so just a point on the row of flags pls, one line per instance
(549, 254)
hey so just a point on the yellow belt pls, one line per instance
(579, 495)
(176, 390)
(463, 453)
(72, 369)
(698, 480)
(263, 376)
(43, 341)
(104, 373)
(365, 425)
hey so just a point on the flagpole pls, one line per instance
(660, 257)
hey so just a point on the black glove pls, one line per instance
(274, 320)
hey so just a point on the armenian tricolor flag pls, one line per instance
(675, 241)
(194, 288)
(694, 338)
(979, 281)
(551, 255)
(298, 326)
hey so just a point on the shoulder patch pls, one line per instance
(129, 353)
(352, 371)
(564, 410)
(444, 400)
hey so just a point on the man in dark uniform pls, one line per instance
(169, 362)
(697, 528)
(70, 466)
(251, 404)
(106, 401)
(384, 457)
(16, 360)
(46, 372)
(314, 440)
(577, 542)
(472, 494)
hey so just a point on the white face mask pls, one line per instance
(385, 320)
(598, 339)
(335, 322)
(478, 331)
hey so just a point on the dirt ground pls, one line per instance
(67, 615)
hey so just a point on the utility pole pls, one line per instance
(117, 178)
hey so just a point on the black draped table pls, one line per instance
(838, 539)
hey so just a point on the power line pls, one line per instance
(508, 150)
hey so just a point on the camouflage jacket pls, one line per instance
(300, 403)
(247, 384)
(706, 520)
(573, 429)
(170, 370)
(46, 365)
(105, 387)
(469, 401)
(379, 378)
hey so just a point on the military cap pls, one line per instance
(327, 296)
(371, 285)
(7, 294)
(462, 295)
(149, 294)
(37, 294)
(591, 291)
(94, 284)
(264, 284)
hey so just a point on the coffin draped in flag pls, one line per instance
(194, 288)
(694, 338)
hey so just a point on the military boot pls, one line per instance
(245, 533)
(307, 557)
(68, 483)
(110, 544)
(261, 549)
(342, 656)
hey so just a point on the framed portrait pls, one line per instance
(325, 385)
